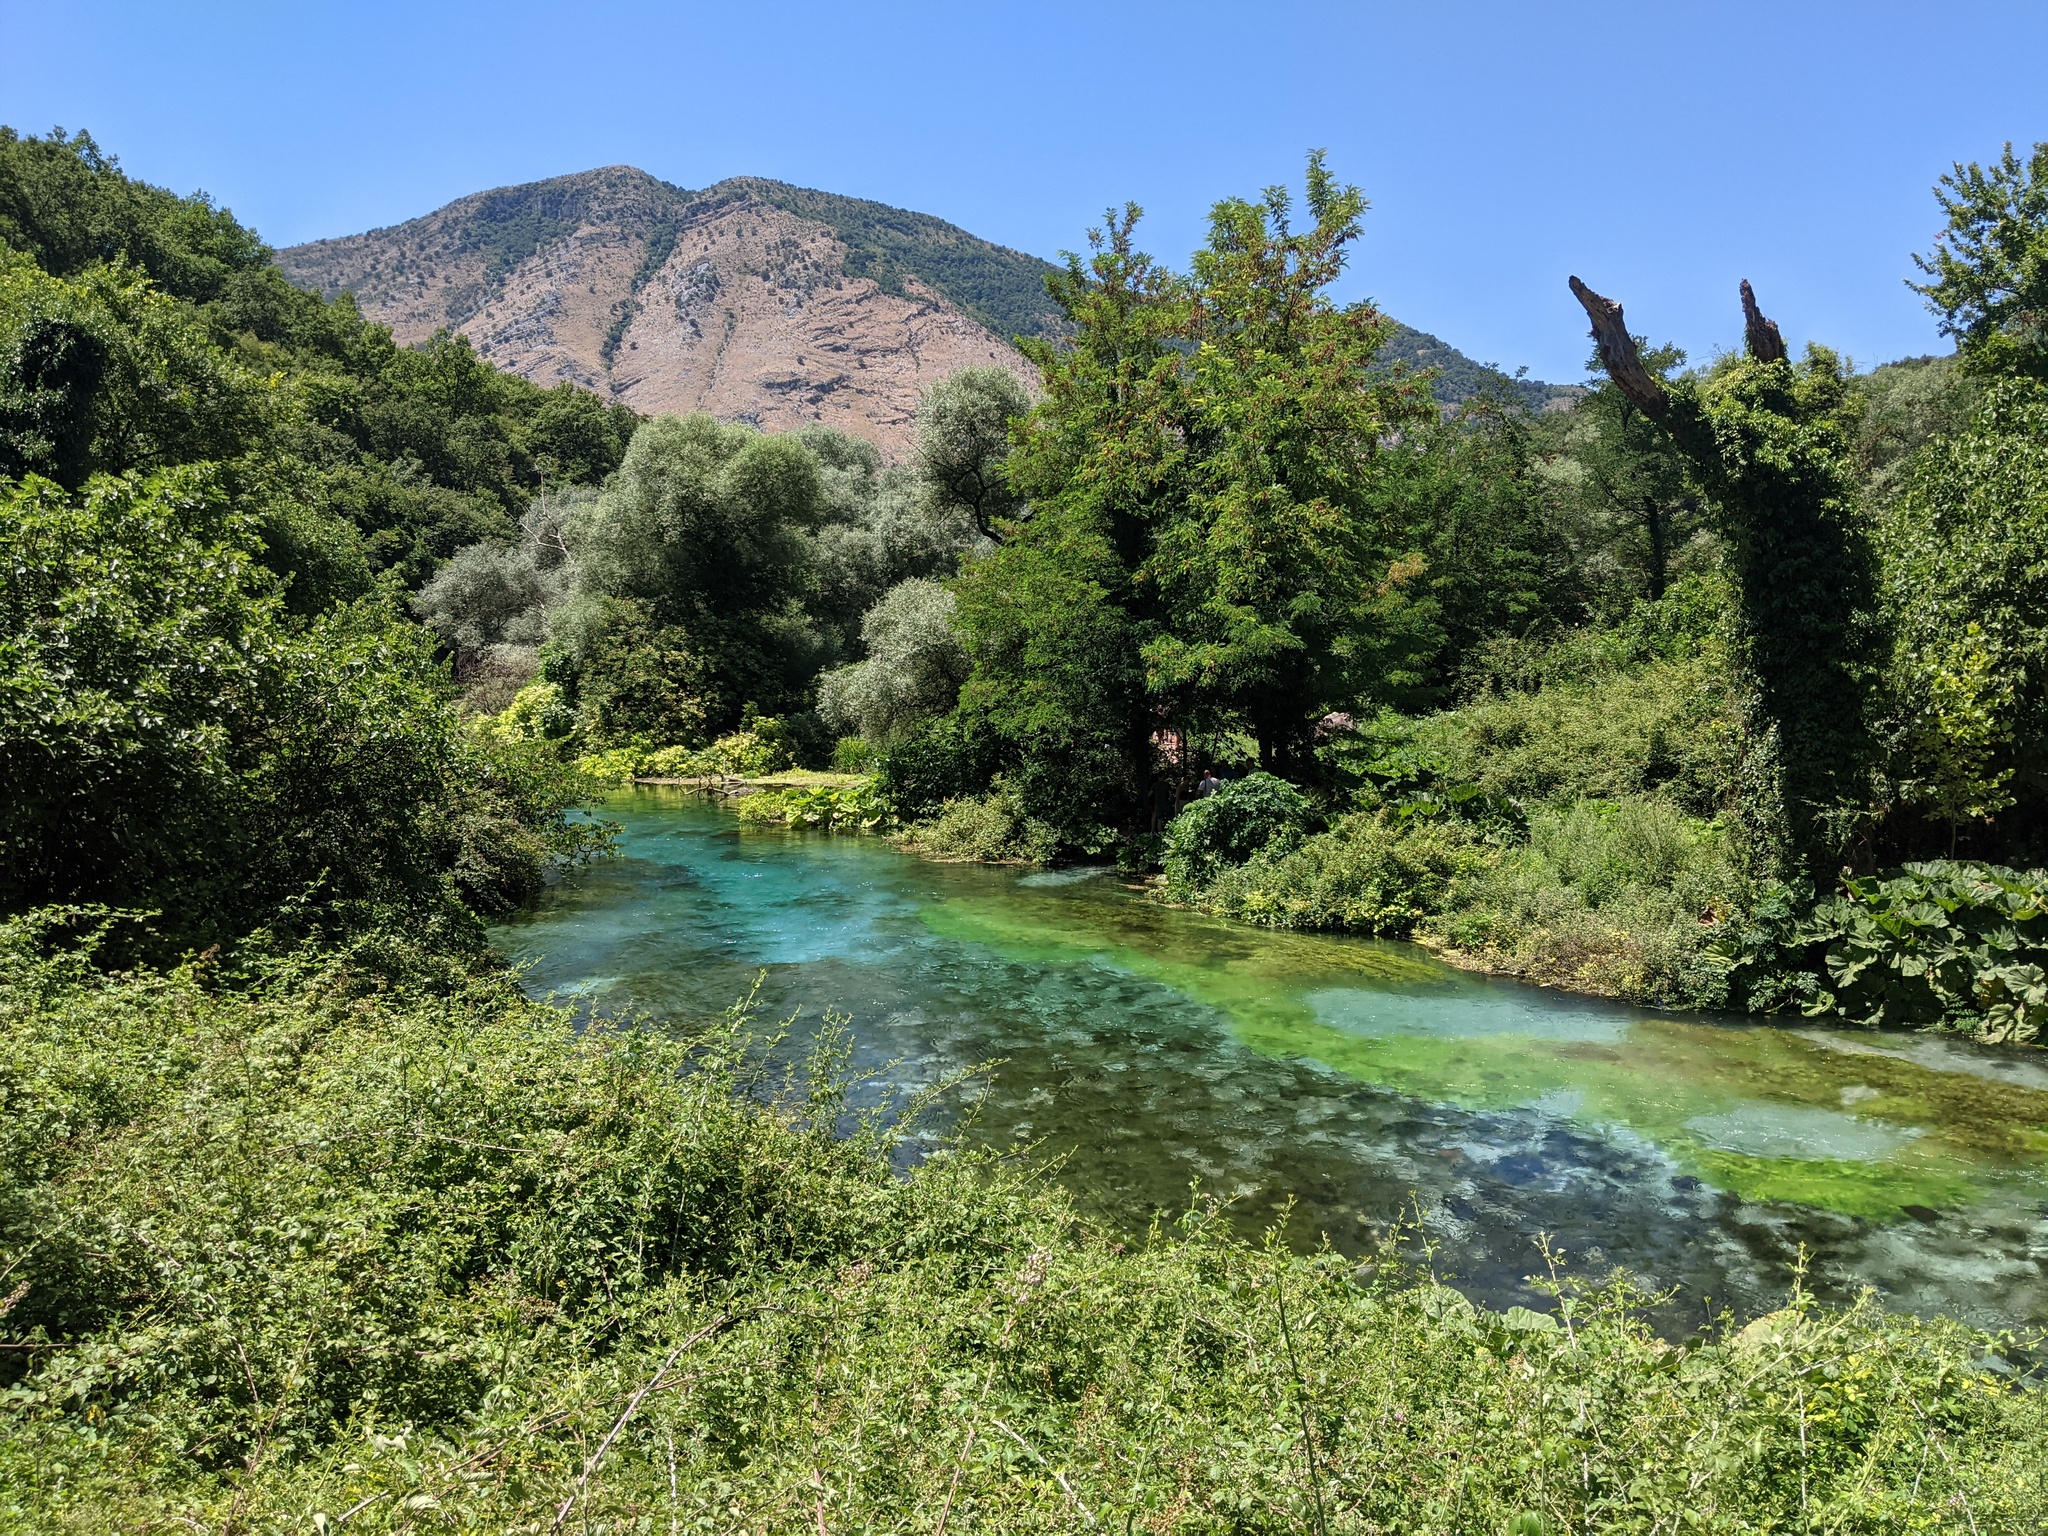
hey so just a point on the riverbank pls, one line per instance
(1147, 1047)
(450, 1259)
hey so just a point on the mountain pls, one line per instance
(1458, 378)
(753, 300)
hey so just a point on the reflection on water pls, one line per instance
(1152, 1050)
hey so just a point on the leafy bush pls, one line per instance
(171, 738)
(944, 759)
(1958, 945)
(1245, 817)
(459, 1261)
(614, 765)
(826, 807)
(1368, 874)
(1670, 728)
(743, 754)
(538, 712)
(1413, 780)
(993, 828)
(1624, 898)
(854, 754)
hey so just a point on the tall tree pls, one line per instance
(1990, 266)
(1204, 550)
(1632, 478)
(1274, 574)
(1765, 438)
(963, 441)
(1055, 619)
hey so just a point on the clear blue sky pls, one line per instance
(1661, 151)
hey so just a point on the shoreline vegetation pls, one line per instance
(440, 1257)
(1724, 682)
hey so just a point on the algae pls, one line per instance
(1764, 1113)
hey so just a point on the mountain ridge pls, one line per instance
(752, 299)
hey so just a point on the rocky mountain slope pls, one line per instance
(753, 300)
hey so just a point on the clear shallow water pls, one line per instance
(1150, 1049)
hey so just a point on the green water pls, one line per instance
(1149, 1049)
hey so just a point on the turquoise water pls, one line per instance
(1146, 1051)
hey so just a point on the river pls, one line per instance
(1146, 1051)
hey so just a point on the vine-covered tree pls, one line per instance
(1765, 438)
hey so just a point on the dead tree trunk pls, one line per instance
(1766, 345)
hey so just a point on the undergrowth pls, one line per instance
(1570, 824)
(992, 828)
(300, 1249)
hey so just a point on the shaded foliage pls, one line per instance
(171, 740)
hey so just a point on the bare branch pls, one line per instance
(1618, 353)
(1766, 345)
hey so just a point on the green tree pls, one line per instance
(1766, 439)
(963, 440)
(1631, 481)
(701, 533)
(913, 669)
(170, 741)
(1275, 582)
(574, 438)
(1054, 620)
(66, 205)
(1490, 560)
(1990, 266)
(106, 374)
(1204, 550)
(1966, 594)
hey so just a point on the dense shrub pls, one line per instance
(170, 737)
(943, 759)
(1958, 945)
(1368, 874)
(743, 754)
(1621, 897)
(1670, 728)
(854, 754)
(1245, 817)
(994, 828)
(451, 1261)
(1624, 898)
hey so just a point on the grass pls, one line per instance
(990, 829)
(308, 1251)
(1617, 898)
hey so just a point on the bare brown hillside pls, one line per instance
(753, 301)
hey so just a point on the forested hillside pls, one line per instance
(217, 490)
(1721, 687)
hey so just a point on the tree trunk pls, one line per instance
(1618, 354)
